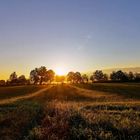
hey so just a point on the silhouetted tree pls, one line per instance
(98, 75)
(118, 76)
(49, 75)
(2, 83)
(22, 80)
(70, 77)
(39, 75)
(42, 71)
(85, 78)
(74, 77)
(34, 77)
(113, 76)
(137, 77)
(92, 78)
(105, 77)
(13, 78)
(77, 77)
(131, 76)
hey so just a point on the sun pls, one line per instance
(60, 71)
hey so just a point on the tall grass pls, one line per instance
(64, 112)
(67, 121)
(18, 118)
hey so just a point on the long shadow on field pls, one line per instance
(62, 93)
(131, 91)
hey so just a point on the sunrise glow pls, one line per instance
(60, 71)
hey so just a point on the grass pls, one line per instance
(14, 91)
(18, 118)
(65, 121)
(130, 90)
(65, 112)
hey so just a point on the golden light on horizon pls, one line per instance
(60, 71)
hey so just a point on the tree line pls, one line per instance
(42, 75)
(99, 76)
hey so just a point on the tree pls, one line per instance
(113, 76)
(42, 74)
(38, 75)
(137, 77)
(92, 78)
(22, 80)
(98, 75)
(105, 77)
(85, 78)
(74, 77)
(70, 77)
(2, 83)
(119, 76)
(34, 77)
(77, 77)
(131, 76)
(50, 75)
(13, 78)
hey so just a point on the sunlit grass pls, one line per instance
(14, 91)
(67, 112)
(128, 90)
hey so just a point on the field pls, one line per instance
(10, 92)
(72, 112)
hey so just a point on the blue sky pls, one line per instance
(81, 35)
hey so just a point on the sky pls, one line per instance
(75, 35)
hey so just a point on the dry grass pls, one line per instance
(127, 90)
(16, 119)
(14, 91)
(75, 113)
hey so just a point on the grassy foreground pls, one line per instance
(18, 118)
(64, 112)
